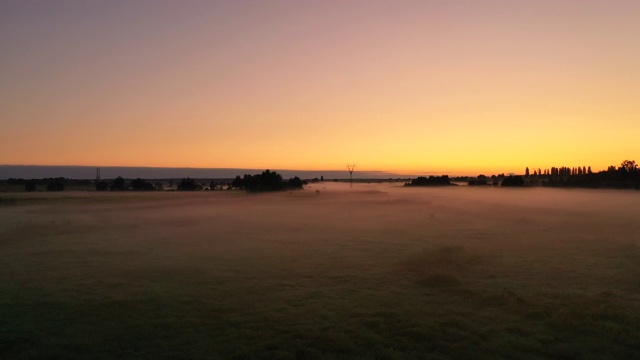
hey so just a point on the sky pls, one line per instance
(457, 87)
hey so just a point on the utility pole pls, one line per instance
(351, 167)
(97, 178)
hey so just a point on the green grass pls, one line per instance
(315, 276)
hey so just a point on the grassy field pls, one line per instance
(373, 272)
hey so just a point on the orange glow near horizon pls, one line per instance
(410, 87)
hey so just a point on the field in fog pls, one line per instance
(376, 271)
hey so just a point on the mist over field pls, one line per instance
(332, 271)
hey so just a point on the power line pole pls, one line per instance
(351, 167)
(97, 178)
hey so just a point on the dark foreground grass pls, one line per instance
(311, 276)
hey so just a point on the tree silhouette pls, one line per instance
(480, 180)
(55, 185)
(238, 182)
(141, 185)
(513, 181)
(102, 185)
(118, 184)
(187, 184)
(629, 166)
(267, 181)
(628, 171)
(430, 181)
(295, 183)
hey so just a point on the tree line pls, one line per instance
(50, 184)
(430, 181)
(624, 176)
(266, 181)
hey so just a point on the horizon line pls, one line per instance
(400, 172)
(158, 172)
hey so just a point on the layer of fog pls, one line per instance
(364, 222)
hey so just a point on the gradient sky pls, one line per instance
(459, 87)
